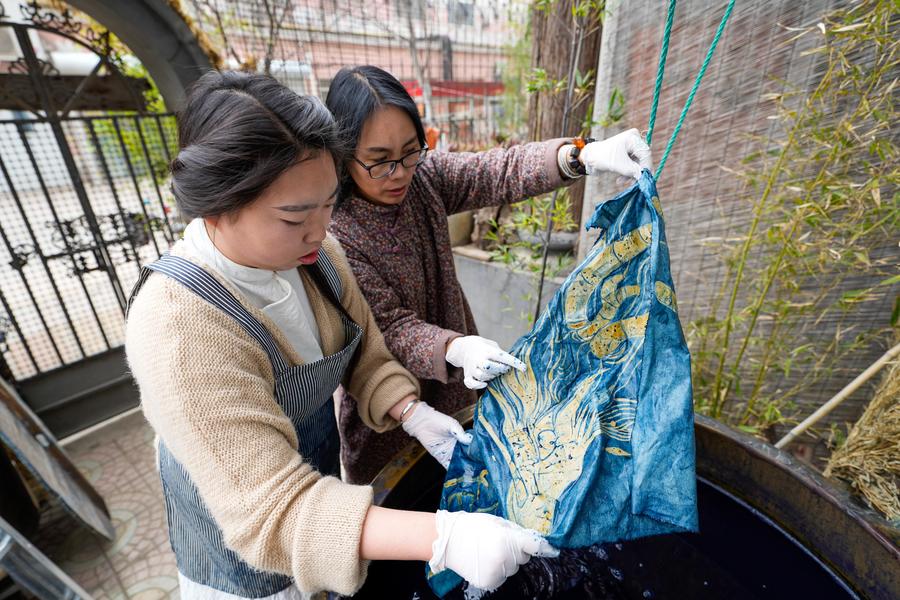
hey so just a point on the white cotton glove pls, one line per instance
(437, 432)
(484, 549)
(625, 153)
(481, 360)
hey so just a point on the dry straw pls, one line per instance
(869, 460)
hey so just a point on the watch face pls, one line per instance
(575, 164)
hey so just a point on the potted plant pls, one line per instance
(531, 219)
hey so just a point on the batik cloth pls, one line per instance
(595, 441)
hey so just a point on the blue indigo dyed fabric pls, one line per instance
(595, 441)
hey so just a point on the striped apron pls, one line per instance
(304, 393)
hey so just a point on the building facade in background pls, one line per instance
(449, 54)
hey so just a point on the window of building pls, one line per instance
(461, 12)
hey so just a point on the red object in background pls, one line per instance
(432, 137)
(413, 88)
(449, 89)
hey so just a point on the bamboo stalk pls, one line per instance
(773, 271)
(720, 397)
(839, 397)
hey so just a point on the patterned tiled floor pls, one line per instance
(118, 460)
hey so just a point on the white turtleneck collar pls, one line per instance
(279, 294)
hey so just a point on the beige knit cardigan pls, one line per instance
(207, 389)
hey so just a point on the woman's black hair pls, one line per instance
(237, 133)
(355, 93)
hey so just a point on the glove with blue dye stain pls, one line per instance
(437, 432)
(484, 549)
(481, 360)
(626, 154)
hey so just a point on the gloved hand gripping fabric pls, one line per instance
(484, 549)
(481, 360)
(437, 432)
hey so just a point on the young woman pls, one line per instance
(392, 222)
(238, 338)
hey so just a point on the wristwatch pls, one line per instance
(576, 165)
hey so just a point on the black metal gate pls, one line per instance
(83, 204)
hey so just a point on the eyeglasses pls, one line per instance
(386, 167)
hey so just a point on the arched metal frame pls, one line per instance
(72, 386)
(40, 74)
(160, 37)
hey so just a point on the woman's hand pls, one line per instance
(626, 154)
(483, 549)
(437, 432)
(481, 359)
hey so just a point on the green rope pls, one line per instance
(664, 51)
(690, 97)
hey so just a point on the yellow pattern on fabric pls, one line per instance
(617, 419)
(617, 451)
(548, 440)
(601, 265)
(457, 497)
(604, 335)
(547, 437)
(608, 341)
(666, 296)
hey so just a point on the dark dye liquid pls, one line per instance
(739, 555)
